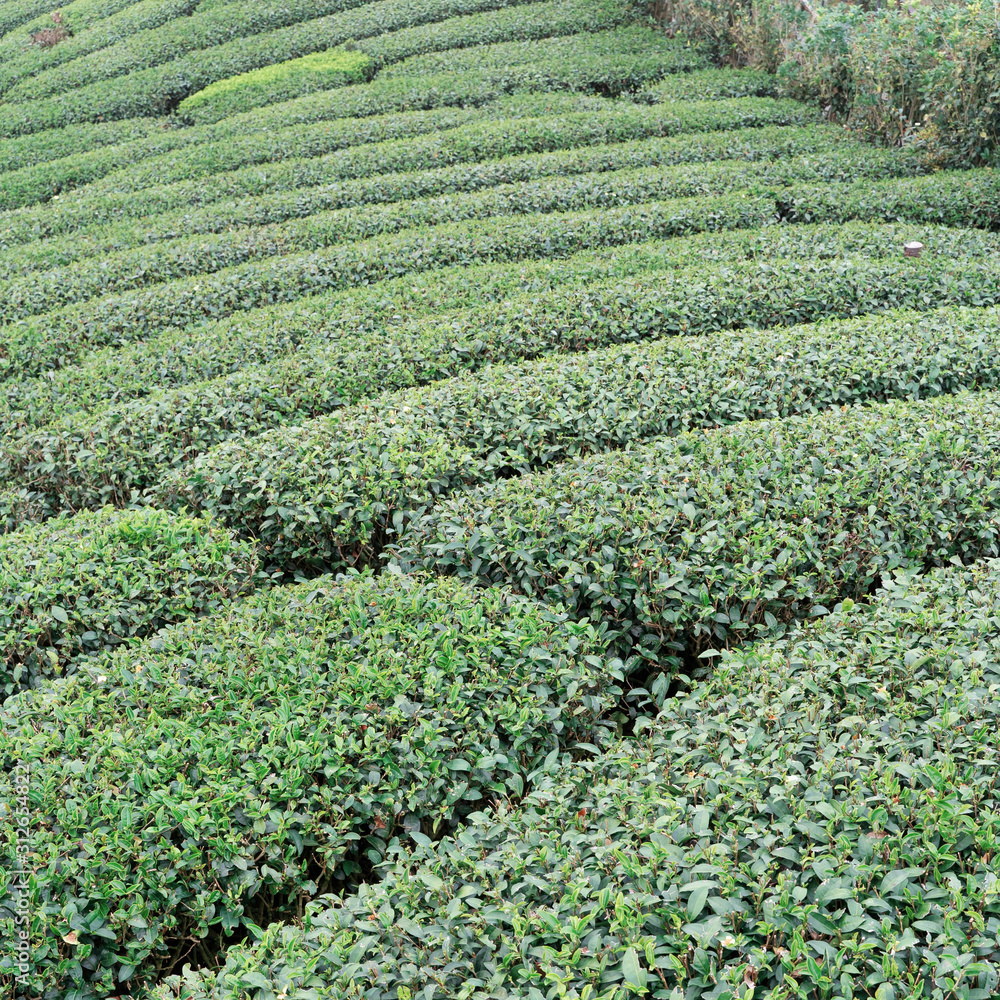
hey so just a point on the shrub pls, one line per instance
(281, 82)
(210, 780)
(390, 33)
(245, 139)
(735, 32)
(445, 307)
(401, 200)
(32, 345)
(315, 494)
(98, 24)
(814, 799)
(923, 74)
(53, 144)
(41, 291)
(200, 32)
(80, 584)
(693, 541)
(594, 65)
(416, 141)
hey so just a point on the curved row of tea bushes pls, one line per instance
(955, 198)
(502, 186)
(271, 84)
(212, 778)
(93, 581)
(19, 61)
(52, 340)
(182, 36)
(591, 63)
(176, 154)
(715, 83)
(442, 312)
(53, 144)
(19, 12)
(315, 493)
(816, 804)
(385, 36)
(631, 39)
(86, 462)
(550, 123)
(229, 244)
(697, 540)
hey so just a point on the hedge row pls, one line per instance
(696, 540)
(500, 186)
(233, 241)
(818, 818)
(954, 198)
(524, 24)
(315, 494)
(119, 451)
(431, 325)
(712, 83)
(58, 338)
(438, 311)
(233, 766)
(18, 12)
(386, 34)
(633, 39)
(80, 584)
(20, 60)
(593, 63)
(167, 43)
(54, 144)
(220, 174)
(333, 67)
(221, 146)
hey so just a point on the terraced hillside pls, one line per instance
(487, 510)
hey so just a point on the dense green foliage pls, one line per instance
(434, 435)
(280, 82)
(928, 76)
(615, 60)
(79, 584)
(819, 817)
(697, 539)
(273, 750)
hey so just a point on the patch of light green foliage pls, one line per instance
(335, 67)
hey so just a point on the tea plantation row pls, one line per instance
(477, 532)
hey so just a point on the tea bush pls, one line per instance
(44, 290)
(208, 149)
(815, 804)
(77, 585)
(402, 318)
(592, 62)
(201, 31)
(53, 144)
(280, 82)
(324, 155)
(209, 780)
(506, 183)
(87, 462)
(385, 38)
(19, 61)
(702, 539)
